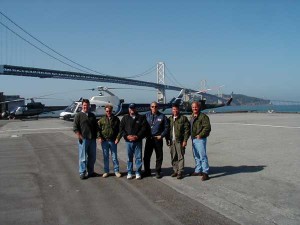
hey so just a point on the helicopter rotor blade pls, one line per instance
(15, 100)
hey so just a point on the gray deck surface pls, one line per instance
(255, 177)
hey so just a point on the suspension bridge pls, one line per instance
(13, 38)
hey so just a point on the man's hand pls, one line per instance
(79, 136)
(158, 137)
(168, 142)
(132, 137)
(184, 143)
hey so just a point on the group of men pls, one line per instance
(134, 127)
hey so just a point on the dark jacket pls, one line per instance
(200, 125)
(108, 129)
(130, 126)
(182, 128)
(159, 124)
(86, 125)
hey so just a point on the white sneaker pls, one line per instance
(105, 175)
(118, 174)
(138, 176)
(129, 176)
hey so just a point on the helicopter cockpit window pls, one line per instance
(71, 107)
(79, 109)
(93, 108)
(21, 109)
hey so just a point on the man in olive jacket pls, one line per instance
(200, 129)
(108, 130)
(179, 134)
(85, 128)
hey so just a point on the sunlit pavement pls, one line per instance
(254, 161)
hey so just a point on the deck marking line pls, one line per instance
(259, 125)
(37, 129)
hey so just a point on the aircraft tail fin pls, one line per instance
(229, 100)
(178, 99)
(175, 100)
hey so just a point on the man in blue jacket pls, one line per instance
(159, 125)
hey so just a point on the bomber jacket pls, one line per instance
(137, 126)
(86, 125)
(158, 123)
(108, 129)
(200, 125)
(181, 126)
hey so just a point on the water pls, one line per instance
(258, 108)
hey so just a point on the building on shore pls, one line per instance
(10, 102)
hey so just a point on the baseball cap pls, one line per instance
(131, 106)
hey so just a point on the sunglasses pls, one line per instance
(108, 111)
(153, 106)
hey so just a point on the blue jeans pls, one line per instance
(199, 152)
(106, 145)
(134, 149)
(87, 155)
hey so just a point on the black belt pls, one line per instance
(176, 141)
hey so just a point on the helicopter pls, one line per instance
(98, 103)
(186, 105)
(32, 109)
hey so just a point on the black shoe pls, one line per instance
(146, 174)
(174, 174)
(93, 175)
(179, 176)
(157, 175)
(83, 176)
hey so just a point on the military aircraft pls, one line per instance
(186, 106)
(32, 109)
(98, 103)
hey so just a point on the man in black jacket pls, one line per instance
(133, 128)
(85, 127)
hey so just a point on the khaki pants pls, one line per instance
(177, 156)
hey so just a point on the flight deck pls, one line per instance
(254, 170)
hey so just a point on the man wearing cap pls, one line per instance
(179, 134)
(200, 129)
(159, 125)
(133, 129)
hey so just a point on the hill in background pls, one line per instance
(239, 99)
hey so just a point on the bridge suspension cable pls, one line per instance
(59, 54)
(45, 45)
(172, 78)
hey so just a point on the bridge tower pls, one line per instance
(161, 92)
(203, 87)
(220, 94)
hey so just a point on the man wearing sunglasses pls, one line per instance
(159, 125)
(108, 130)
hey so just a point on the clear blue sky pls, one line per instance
(251, 47)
